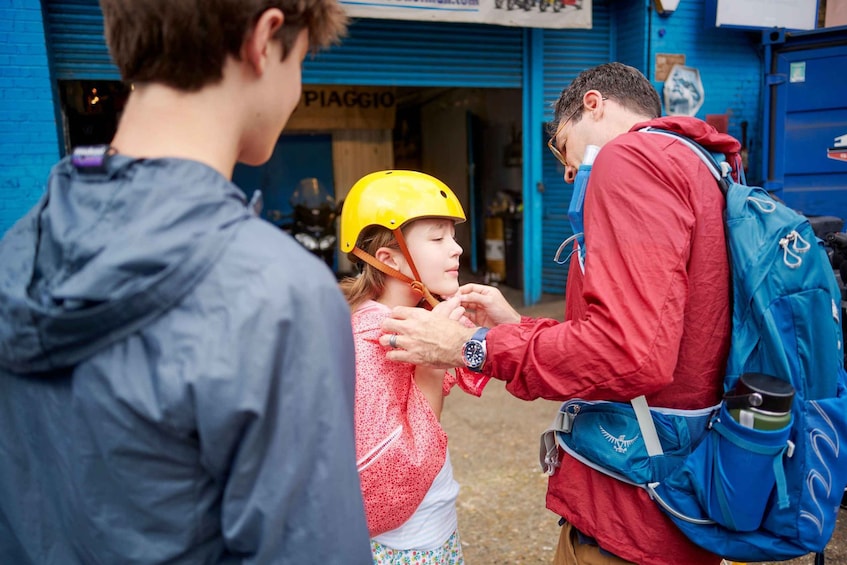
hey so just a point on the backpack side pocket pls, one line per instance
(729, 478)
(818, 469)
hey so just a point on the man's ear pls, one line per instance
(257, 46)
(388, 256)
(592, 101)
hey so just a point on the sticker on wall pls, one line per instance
(797, 71)
(683, 91)
(839, 150)
(664, 64)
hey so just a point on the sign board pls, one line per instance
(556, 14)
(665, 62)
(340, 107)
(763, 14)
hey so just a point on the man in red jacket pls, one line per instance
(648, 315)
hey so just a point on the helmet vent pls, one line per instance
(443, 194)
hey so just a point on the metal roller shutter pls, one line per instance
(375, 52)
(409, 53)
(75, 40)
(566, 54)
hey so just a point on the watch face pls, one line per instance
(474, 354)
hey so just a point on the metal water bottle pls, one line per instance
(760, 401)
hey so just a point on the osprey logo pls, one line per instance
(621, 443)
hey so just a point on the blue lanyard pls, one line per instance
(575, 209)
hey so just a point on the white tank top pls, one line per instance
(434, 521)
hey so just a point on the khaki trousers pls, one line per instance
(571, 552)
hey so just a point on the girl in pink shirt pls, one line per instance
(400, 227)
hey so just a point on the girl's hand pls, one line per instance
(451, 309)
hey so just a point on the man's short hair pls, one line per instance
(624, 84)
(184, 43)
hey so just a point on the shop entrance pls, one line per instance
(91, 110)
(469, 138)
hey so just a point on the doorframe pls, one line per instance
(533, 185)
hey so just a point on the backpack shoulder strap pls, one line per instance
(721, 170)
(715, 162)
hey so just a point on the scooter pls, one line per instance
(311, 220)
(314, 212)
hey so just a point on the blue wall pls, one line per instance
(730, 64)
(566, 53)
(29, 143)
(630, 31)
(630, 21)
(728, 60)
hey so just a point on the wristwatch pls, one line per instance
(473, 352)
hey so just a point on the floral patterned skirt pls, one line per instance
(450, 553)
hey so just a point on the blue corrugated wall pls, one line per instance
(566, 53)
(445, 54)
(75, 31)
(629, 31)
(630, 22)
(29, 142)
(377, 52)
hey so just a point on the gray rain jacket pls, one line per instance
(176, 379)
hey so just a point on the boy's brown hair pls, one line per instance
(184, 43)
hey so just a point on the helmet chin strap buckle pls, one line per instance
(428, 300)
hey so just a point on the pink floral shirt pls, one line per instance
(400, 444)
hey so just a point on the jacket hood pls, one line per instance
(104, 253)
(701, 132)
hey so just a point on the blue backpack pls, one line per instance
(744, 493)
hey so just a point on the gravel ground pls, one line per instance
(494, 449)
(494, 442)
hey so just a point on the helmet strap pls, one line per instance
(415, 283)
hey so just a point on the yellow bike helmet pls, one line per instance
(392, 198)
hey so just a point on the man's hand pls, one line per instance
(486, 306)
(429, 338)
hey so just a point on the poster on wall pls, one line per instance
(523, 13)
(683, 91)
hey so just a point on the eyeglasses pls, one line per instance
(552, 146)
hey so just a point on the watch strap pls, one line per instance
(479, 334)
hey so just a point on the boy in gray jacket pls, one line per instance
(176, 375)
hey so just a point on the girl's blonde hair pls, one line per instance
(370, 284)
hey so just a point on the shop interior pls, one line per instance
(470, 138)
